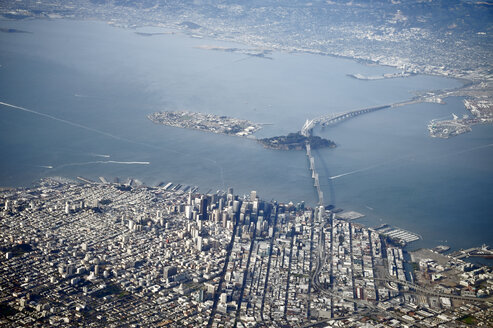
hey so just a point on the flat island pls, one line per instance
(205, 122)
(237, 127)
(296, 141)
(381, 77)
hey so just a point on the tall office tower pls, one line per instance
(203, 208)
(7, 203)
(260, 221)
(221, 204)
(213, 198)
(255, 206)
(253, 195)
(188, 212)
(189, 198)
(236, 206)
(230, 194)
(321, 212)
(199, 243)
(67, 208)
(225, 219)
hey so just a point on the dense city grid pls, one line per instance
(120, 255)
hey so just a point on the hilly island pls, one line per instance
(296, 141)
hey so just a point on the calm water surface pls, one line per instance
(106, 80)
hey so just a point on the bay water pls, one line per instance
(88, 88)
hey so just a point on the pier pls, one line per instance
(483, 251)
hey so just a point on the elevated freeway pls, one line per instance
(427, 291)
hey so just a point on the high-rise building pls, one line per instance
(188, 212)
(201, 296)
(230, 194)
(203, 207)
(236, 206)
(199, 243)
(169, 271)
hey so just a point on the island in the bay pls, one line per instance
(296, 141)
(205, 122)
(238, 127)
(381, 77)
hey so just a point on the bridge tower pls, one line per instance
(307, 128)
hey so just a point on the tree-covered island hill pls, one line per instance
(296, 141)
(238, 127)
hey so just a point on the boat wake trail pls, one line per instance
(88, 128)
(414, 158)
(369, 167)
(100, 155)
(61, 120)
(352, 172)
(126, 163)
(467, 150)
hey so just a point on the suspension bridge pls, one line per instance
(331, 119)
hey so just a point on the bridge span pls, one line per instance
(316, 181)
(326, 120)
(330, 119)
(336, 118)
